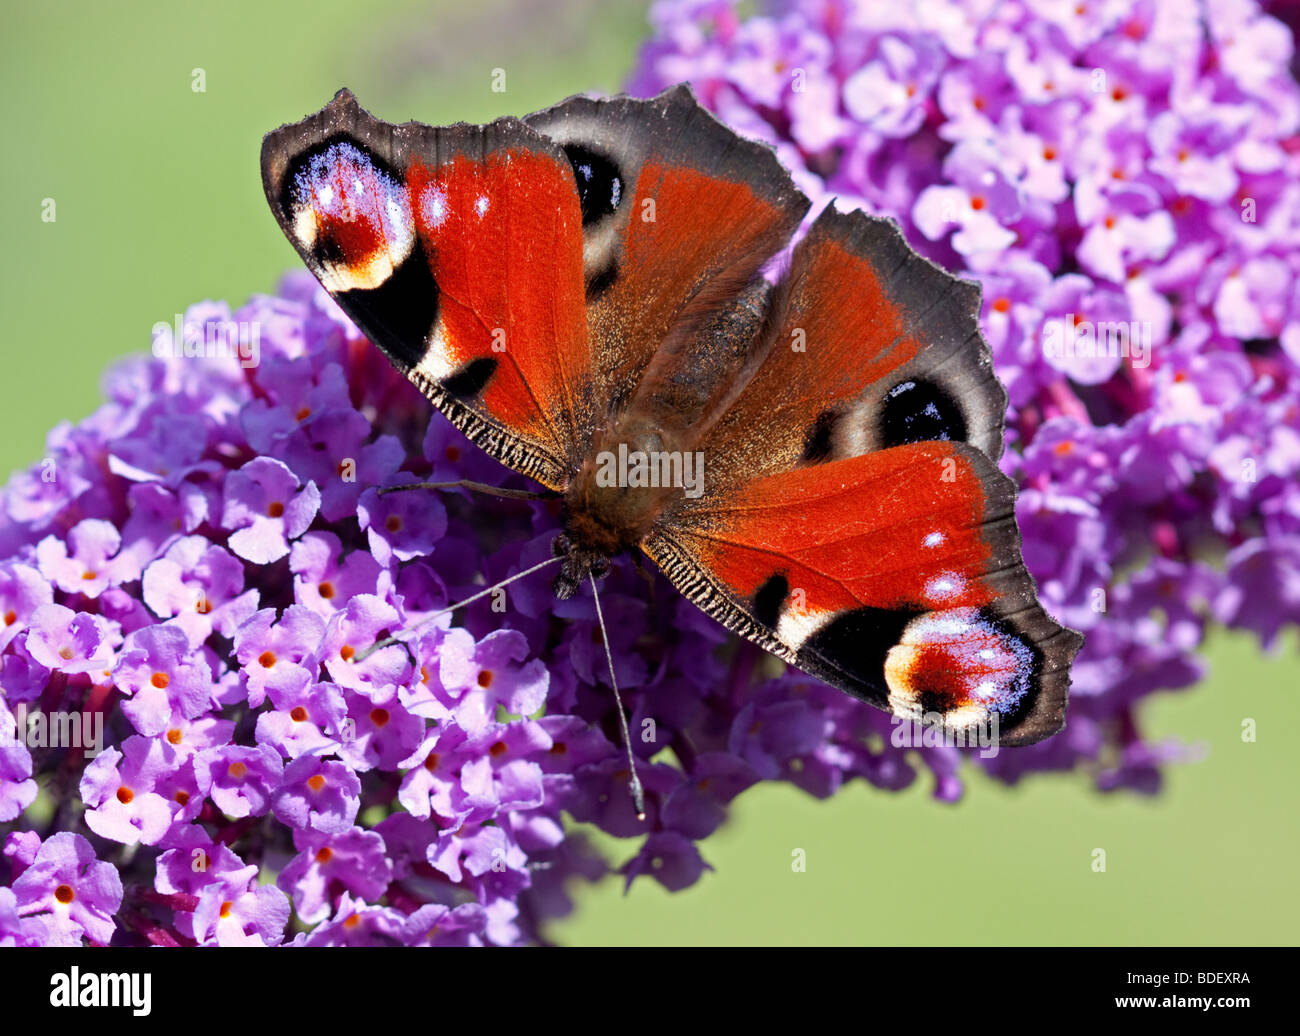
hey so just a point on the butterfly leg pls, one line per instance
(478, 487)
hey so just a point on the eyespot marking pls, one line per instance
(600, 184)
(350, 214)
(920, 411)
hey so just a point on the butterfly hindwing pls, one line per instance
(458, 251)
(894, 575)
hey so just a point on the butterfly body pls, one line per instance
(810, 461)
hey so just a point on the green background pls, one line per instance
(159, 204)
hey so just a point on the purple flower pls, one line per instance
(278, 653)
(75, 894)
(354, 860)
(121, 792)
(378, 731)
(86, 562)
(22, 591)
(324, 581)
(305, 717)
(671, 859)
(474, 678)
(438, 925)
(240, 780)
(17, 789)
(356, 923)
(253, 917)
(201, 585)
(266, 508)
(157, 669)
(404, 525)
(317, 794)
(350, 633)
(72, 642)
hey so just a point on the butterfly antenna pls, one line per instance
(389, 641)
(634, 784)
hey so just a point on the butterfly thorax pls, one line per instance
(632, 472)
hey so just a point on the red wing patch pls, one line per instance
(897, 529)
(515, 339)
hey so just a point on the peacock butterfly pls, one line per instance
(811, 462)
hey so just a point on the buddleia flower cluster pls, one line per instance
(198, 744)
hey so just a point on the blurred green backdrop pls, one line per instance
(159, 204)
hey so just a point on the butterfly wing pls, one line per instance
(852, 522)
(459, 251)
(679, 214)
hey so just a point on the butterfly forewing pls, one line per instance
(458, 251)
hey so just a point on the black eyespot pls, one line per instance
(600, 185)
(920, 411)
